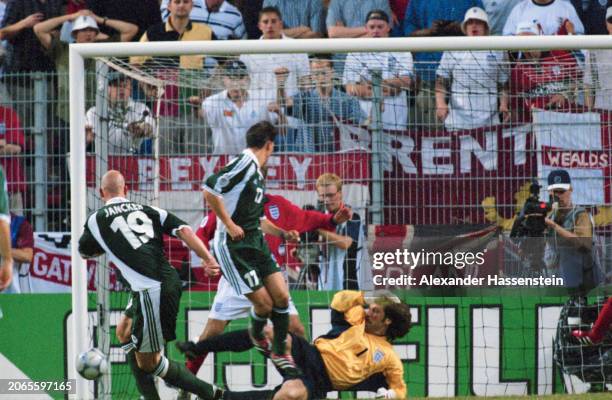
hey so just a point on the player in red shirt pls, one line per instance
(227, 305)
(285, 215)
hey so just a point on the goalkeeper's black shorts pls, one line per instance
(309, 360)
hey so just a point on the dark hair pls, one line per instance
(259, 134)
(115, 77)
(399, 314)
(235, 69)
(118, 81)
(326, 58)
(377, 14)
(270, 10)
(321, 56)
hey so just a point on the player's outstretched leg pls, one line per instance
(236, 341)
(600, 327)
(214, 327)
(177, 375)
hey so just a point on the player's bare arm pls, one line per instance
(218, 207)
(270, 228)
(187, 235)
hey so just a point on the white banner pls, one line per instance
(580, 144)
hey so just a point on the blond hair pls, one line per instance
(328, 179)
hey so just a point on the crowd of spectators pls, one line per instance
(306, 96)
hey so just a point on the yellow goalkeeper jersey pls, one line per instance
(355, 355)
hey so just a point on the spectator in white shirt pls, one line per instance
(397, 72)
(553, 16)
(598, 74)
(475, 78)
(130, 123)
(264, 67)
(223, 18)
(233, 111)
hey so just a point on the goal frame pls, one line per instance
(77, 157)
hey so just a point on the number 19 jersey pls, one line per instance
(131, 234)
(241, 185)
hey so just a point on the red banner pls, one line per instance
(51, 267)
(187, 173)
(446, 178)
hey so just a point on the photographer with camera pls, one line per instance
(529, 224)
(569, 235)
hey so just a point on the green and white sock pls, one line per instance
(177, 375)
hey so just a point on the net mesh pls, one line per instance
(422, 161)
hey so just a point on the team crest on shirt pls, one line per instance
(223, 181)
(228, 113)
(274, 212)
(378, 356)
(556, 70)
(491, 58)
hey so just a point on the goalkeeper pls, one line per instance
(354, 355)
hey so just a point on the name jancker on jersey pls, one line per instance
(122, 208)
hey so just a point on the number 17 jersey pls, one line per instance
(241, 185)
(131, 234)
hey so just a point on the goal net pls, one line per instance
(434, 158)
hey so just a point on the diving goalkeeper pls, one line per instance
(356, 354)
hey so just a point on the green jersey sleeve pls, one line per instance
(229, 176)
(169, 222)
(88, 245)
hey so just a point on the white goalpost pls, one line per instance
(81, 331)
